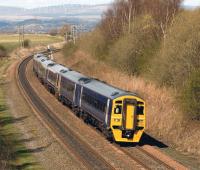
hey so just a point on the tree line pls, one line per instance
(156, 39)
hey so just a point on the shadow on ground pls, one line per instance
(146, 140)
(14, 154)
(24, 166)
(9, 120)
(149, 140)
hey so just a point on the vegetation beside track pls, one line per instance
(13, 152)
(156, 53)
(162, 47)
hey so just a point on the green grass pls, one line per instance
(11, 41)
(13, 153)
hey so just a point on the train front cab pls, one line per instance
(128, 119)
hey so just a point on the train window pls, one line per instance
(140, 110)
(118, 102)
(52, 76)
(118, 110)
(94, 102)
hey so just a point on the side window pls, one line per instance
(52, 76)
(92, 101)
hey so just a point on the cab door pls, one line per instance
(129, 116)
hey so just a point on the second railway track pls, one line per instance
(89, 157)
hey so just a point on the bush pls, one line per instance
(180, 53)
(132, 52)
(3, 51)
(95, 44)
(177, 62)
(53, 32)
(27, 43)
(191, 95)
(69, 49)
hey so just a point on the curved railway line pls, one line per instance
(85, 154)
(88, 156)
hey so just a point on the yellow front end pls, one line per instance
(128, 119)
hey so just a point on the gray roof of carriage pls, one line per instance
(46, 63)
(106, 89)
(57, 68)
(40, 58)
(39, 54)
(73, 76)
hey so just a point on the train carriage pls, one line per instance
(120, 114)
(37, 59)
(53, 72)
(42, 70)
(70, 88)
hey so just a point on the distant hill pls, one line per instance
(45, 18)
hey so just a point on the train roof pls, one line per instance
(74, 76)
(38, 55)
(106, 89)
(57, 68)
(95, 85)
(39, 58)
(46, 63)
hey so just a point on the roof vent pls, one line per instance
(51, 64)
(114, 93)
(84, 80)
(63, 71)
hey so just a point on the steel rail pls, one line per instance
(127, 151)
(84, 153)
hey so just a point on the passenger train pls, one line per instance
(119, 114)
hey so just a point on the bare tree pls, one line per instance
(122, 13)
(64, 29)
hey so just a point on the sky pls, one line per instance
(192, 3)
(41, 3)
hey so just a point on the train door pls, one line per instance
(58, 83)
(129, 116)
(77, 95)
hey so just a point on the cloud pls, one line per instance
(192, 3)
(41, 3)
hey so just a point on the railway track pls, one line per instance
(88, 156)
(144, 158)
(81, 150)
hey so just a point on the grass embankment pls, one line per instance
(163, 67)
(168, 56)
(13, 153)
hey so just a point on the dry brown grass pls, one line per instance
(164, 120)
